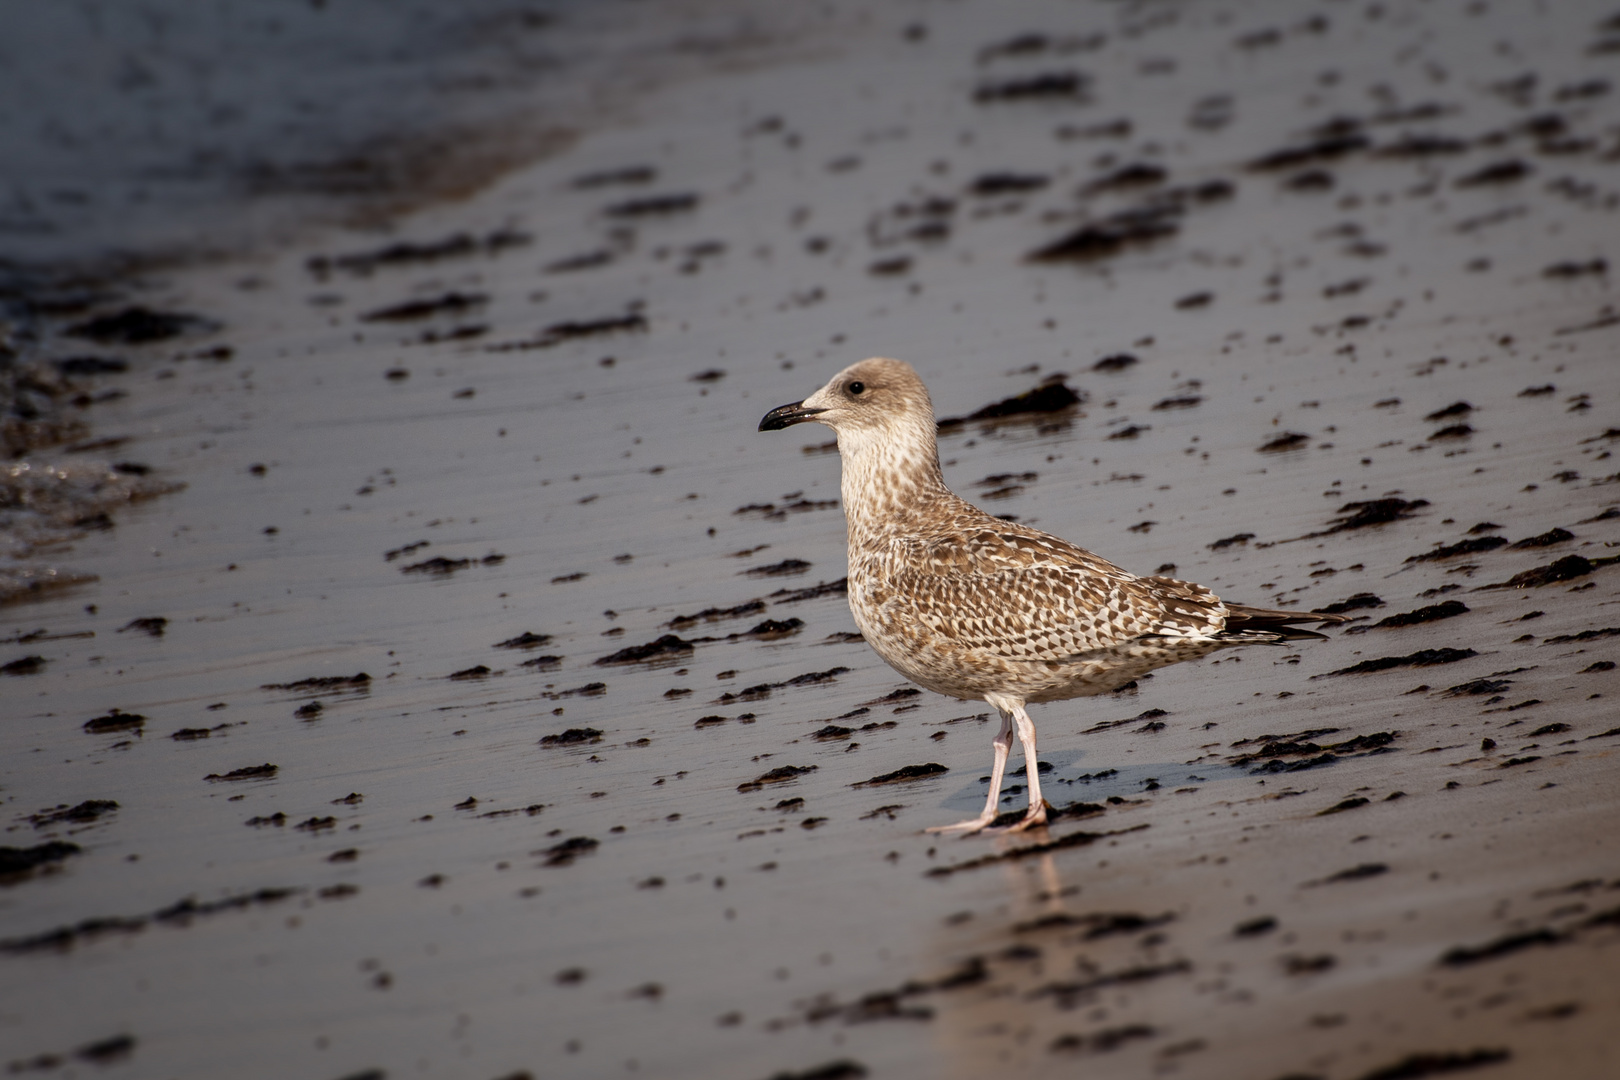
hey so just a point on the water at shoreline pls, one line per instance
(472, 456)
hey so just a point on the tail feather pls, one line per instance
(1283, 624)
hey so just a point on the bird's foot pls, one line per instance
(964, 828)
(1035, 819)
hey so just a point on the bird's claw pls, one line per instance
(1031, 821)
(1035, 819)
(965, 828)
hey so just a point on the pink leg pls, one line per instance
(1037, 804)
(1002, 744)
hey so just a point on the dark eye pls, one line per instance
(857, 388)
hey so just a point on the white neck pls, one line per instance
(888, 479)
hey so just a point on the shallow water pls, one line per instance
(435, 926)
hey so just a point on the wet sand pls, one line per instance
(1332, 283)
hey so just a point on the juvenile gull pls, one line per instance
(975, 607)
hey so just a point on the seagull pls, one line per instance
(966, 604)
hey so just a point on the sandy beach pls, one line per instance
(413, 661)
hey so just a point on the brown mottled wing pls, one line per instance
(1194, 602)
(1024, 595)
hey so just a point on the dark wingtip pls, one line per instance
(1294, 633)
(1241, 617)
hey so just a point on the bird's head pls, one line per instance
(872, 402)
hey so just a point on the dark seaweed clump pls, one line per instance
(785, 568)
(1353, 603)
(1274, 748)
(1110, 235)
(18, 861)
(1052, 84)
(1359, 515)
(711, 614)
(324, 682)
(1566, 569)
(1288, 440)
(250, 772)
(668, 645)
(451, 303)
(572, 737)
(80, 814)
(180, 913)
(115, 721)
(1462, 547)
(1434, 1064)
(139, 326)
(812, 592)
(909, 772)
(405, 252)
(526, 640)
(779, 775)
(1546, 539)
(1421, 658)
(1586, 635)
(1448, 610)
(1054, 395)
(564, 853)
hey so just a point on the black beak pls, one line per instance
(787, 415)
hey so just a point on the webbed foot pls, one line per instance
(964, 828)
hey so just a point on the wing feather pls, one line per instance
(1016, 593)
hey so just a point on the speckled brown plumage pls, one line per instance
(965, 604)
